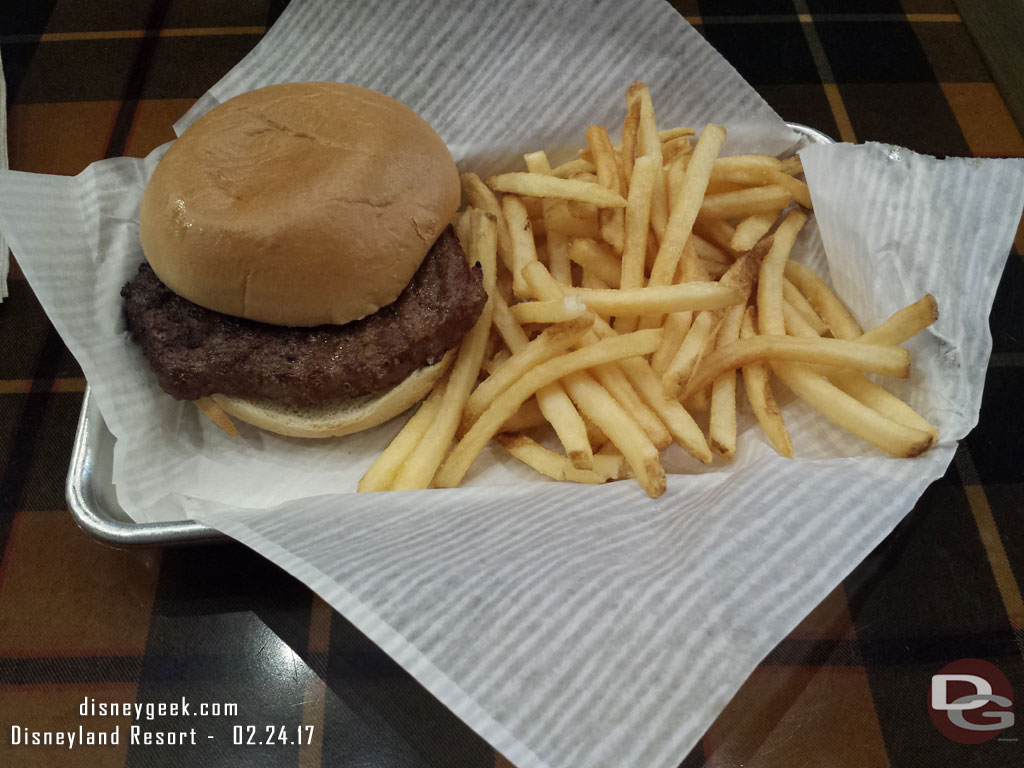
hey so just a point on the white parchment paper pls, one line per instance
(567, 625)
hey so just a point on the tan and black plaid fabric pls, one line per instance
(848, 687)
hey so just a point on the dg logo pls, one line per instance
(971, 701)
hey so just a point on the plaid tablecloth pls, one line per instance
(81, 622)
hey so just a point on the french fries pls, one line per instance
(635, 282)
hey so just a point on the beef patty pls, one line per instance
(197, 352)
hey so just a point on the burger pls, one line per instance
(301, 269)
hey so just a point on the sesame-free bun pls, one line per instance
(338, 418)
(298, 204)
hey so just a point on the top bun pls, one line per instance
(299, 204)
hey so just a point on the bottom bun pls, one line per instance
(338, 418)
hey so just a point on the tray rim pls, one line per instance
(93, 517)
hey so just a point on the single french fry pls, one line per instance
(707, 251)
(722, 423)
(675, 173)
(677, 324)
(750, 230)
(553, 341)
(649, 144)
(483, 244)
(630, 127)
(612, 220)
(558, 467)
(214, 413)
(567, 169)
(906, 323)
(865, 391)
(381, 474)
(802, 306)
(728, 205)
(769, 283)
(481, 197)
(637, 226)
(684, 213)
(597, 259)
(658, 299)
(524, 250)
(757, 383)
(548, 311)
(562, 367)
(544, 185)
(825, 302)
(872, 358)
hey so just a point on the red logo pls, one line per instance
(971, 701)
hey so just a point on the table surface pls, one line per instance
(79, 620)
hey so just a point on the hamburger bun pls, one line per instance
(339, 418)
(299, 204)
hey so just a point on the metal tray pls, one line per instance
(92, 497)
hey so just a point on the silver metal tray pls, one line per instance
(92, 497)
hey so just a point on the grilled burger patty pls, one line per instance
(197, 352)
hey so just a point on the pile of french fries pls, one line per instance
(625, 290)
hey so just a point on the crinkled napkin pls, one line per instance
(568, 625)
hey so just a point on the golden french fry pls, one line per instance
(524, 250)
(825, 302)
(707, 251)
(649, 144)
(481, 197)
(638, 212)
(675, 149)
(566, 170)
(612, 221)
(483, 244)
(214, 413)
(684, 212)
(865, 391)
(675, 173)
(543, 185)
(906, 323)
(722, 423)
(656, 300)
(509, 401)
(728, 205)
(557, 243)
(802, 306)
(596, 259)
(750, 230)
(630, 127)
(381, 474)
(548, 311)
(769, 284)
(558, 467)
(553, 341)
(873, 358)
(757, 383)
